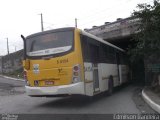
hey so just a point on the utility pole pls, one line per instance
(42, 22)
(75, 22)
(15, 48)
(7, 46)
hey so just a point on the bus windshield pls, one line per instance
(49, 43)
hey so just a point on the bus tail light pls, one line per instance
(76, 74)
(25, 78)
(75, 79)
(76, 68)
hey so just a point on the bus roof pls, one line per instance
(51, 31)
(81, 31)
(100, 40)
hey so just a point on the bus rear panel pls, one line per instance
(53, 64)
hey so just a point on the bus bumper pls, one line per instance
(77, 88)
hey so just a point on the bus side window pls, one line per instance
(104, 54)
(84, 47)
(111, 55)
(123, 58)
(93, 50)
(94, 53)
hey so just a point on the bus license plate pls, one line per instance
(49, 82)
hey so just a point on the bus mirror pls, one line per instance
(23, 37)
(24, 42)
(26, 64)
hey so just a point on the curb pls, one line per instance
(16, 79)
(150, 102)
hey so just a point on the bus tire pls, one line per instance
(110, 86)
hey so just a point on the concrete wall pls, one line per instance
(11, 62)
(116, 30)
(152, 70)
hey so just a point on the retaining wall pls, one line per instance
(11, 62)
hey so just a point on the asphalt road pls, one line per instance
(126, 99)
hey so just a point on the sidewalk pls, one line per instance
(16, 79)
(152, 99)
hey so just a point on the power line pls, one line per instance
(95, 20)
(100, 17)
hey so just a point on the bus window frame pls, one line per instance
(110, 51)
(57, 54)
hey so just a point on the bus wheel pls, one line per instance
(110, 86)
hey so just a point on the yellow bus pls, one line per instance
(69, 61)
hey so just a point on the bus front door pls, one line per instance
(95, 57)
(95, 77)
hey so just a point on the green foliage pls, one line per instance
(148, 39)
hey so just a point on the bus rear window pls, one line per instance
(49, 43)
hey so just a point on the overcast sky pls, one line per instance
(22, 16)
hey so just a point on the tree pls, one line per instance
(147, 41)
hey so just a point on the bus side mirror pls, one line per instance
(24, 42)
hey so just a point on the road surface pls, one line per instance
(124, 100)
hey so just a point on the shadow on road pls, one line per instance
(8, 89)
(79, 101)
(73, 101)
